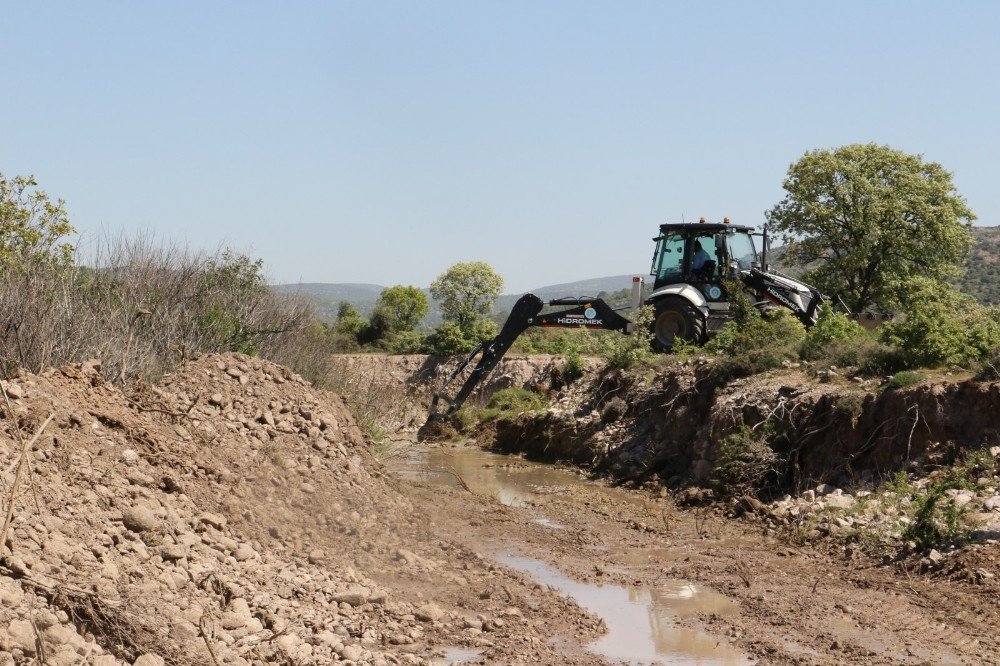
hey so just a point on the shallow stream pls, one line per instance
(642, 621)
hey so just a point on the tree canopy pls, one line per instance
(466, 292)
(875, 218)
(401, 308)
(32, 226)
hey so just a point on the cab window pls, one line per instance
(668, 264)
(741, 250)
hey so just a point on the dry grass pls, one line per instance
(380, 404)
(142, 308)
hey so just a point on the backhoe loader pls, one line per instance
(692, 264)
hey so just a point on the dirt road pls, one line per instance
(681, 586)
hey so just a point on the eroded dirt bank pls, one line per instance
(834, 430)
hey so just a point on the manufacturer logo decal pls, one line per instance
(581, 319)
(590, 313)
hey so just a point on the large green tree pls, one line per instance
(870, 218)
(401, 308)
(32, 226)
(466, 293)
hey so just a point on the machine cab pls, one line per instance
(701, 255)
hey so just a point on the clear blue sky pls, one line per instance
(383, 141)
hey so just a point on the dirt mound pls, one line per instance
(210, 519)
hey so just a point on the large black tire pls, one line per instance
(677, 318)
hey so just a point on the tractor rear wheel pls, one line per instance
(676, 319)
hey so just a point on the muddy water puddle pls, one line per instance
(643, 622)
(511, 481)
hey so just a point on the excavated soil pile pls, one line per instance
(210, 519)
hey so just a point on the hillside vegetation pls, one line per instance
(981, 278)
(982, 270)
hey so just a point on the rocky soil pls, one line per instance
(231, 514)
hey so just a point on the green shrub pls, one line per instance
(899, 484)
(349, 320)
(511, 401)
(965, 472)
(906, 378)
(852, 404)
(465, 418)
(626, 351)
(936, 520)
(941, 326)
(447, 339)
(404, 342)
(573, 366)
(480, 330)
(833, 330)
(755, 342)
(557, 341)
(989, 367)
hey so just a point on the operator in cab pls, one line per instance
(698, 258)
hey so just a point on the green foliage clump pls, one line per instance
(573, 366)
(746, 462)
(404, 342)
(511, 401)
(558, 341)
(934, 518)
(754, 342)
(936, 521)
(32, 226)
(226, 285)
(906, 378)
(989, 367)
(832, 328)
(941, 327)
(627, 351)
(447, 339)
(466, 292)
(400, 308)
(852, 404)
(349, 320)
(874, 218)
(481, 330)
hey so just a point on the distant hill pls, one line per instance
(982, 275)
(982, 271)
(580, 288)
(327, 296)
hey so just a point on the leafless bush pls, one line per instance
(142, 307)
(380, 404)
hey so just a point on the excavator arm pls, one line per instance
(802, 299)
(587, 313)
